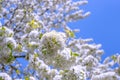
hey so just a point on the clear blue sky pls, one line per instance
(103, 25)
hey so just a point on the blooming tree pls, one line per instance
(36, 32)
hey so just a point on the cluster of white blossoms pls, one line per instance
(36, 43)
(5, 76)
(105, 76)
(75, 73)
(72, 73)
(52, 42)
(7, 44)
(90, 61)
(118, 59)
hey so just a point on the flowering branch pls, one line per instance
(36, 43)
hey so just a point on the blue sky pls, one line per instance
(103, 25)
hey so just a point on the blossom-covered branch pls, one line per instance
(37, 44)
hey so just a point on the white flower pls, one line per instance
(28, 28)
(75, 73)
(79, 71)
(90, 61)
(118, 59)
(10, 42)
(6, 32)
(53, 41)
(5, 76)
(52, 72)
(14, 1)
(32, 78)
(59, 61)
(105, 76)
(43, 66)
(9, 32)
(0, 24)
(24, 39)
(33, 34)
(4, 10)
(6, 51)
(33, 45)
(57, 77)
(59, 58)
(80, 3)
(66, 53)
(99, 52)
(92, 47)
(4, 54)
(18, 17)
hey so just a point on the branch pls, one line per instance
(19, 56)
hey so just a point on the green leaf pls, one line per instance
(70, 33)
(66, 71)
(44, 51)
(74, 54)
(35, 55)
(2, 31)
(10, 35)
(1, 1)
(11, 58)
(27, 78)
(3, 28)
(40, 36)
(71, 53)
(9, 46)
(48, 44)
(1, 78)
(17, 71)
(114, 57)
(34, 24)
(19, 48)
(55, 41)
(0, 48)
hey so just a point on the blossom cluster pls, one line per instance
(7, 44)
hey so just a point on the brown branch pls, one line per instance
(19, 56)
